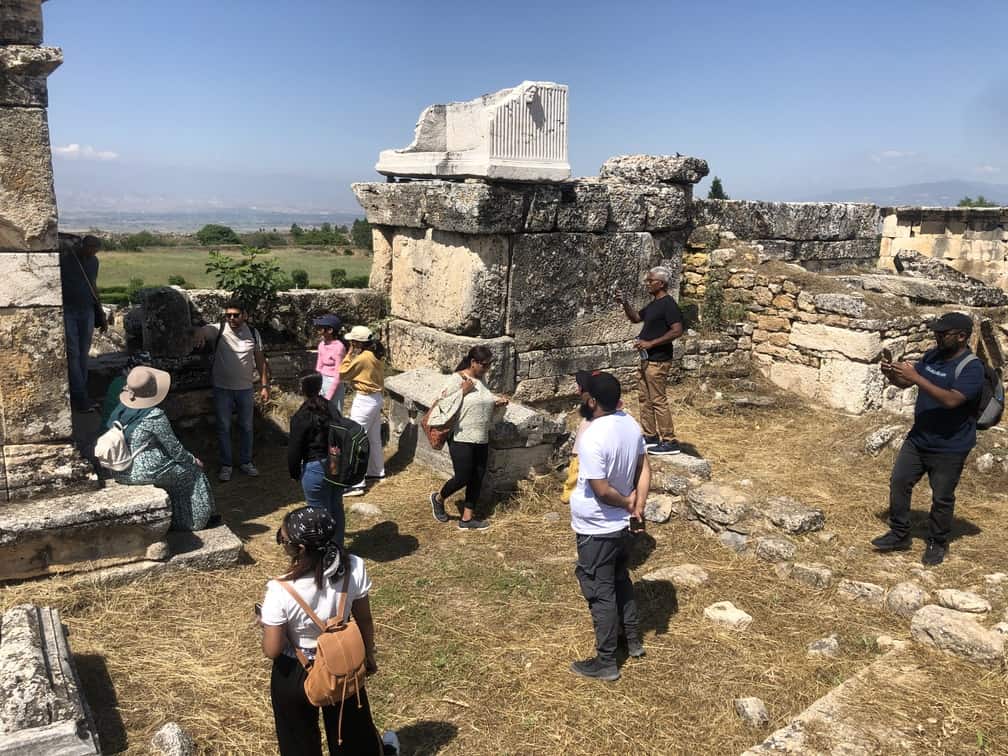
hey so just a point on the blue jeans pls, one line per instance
(227, 401)
(79, 327)
(321, 494)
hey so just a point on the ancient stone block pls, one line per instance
(823, 254)
(654, 169)
(796, 221)
(959, 634)
(906, 598)
(856, 590)
(850, 386)
(451, 282)
(583, 207)
(166, 324)
(561, 287)
(843, 304)
(381, 261)
(21, 22)
(33, 383)
(752, 711)
(542, 210)
(798, 379)
(935, 292)
(775, 549)
(681, 575)
(727, 614)
(718, 506)
(963, 601)
(23, 72)
(792, 515)
(412, 346)
(30, 279)
(568, 360)
(35, 469)
(858, 345)
(27, 201)
(648, 208)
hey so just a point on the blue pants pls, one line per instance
(227, 401)
(79, 328)
(324, 495)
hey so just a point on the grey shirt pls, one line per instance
(475, 410)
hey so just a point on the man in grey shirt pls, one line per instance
(82, 311)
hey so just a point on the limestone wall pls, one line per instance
(971, 240)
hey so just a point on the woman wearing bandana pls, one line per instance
(318, 564)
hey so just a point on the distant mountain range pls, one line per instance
(931, 194)
(187, 221)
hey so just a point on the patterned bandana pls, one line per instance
(314, 528)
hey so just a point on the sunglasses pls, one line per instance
(232, 315)
(281, 541)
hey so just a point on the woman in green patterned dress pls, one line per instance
(159, 459)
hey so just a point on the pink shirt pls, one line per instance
(328, 363)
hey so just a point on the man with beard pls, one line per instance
(612, 487)
(948, 383)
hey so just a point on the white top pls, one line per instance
(280, 608)
(608, 449)
(234, 365)
(475, 410)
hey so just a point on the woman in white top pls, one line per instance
(466, 399)
(318, 563)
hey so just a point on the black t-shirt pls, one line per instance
(659, 316)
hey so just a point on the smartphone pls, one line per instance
(636, 525)
(887, 355)
(258, 610)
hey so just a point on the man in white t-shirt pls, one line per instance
(612, 486)
(237, 360)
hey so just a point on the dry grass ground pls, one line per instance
(476, 630)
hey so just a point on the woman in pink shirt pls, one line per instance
(331, 351)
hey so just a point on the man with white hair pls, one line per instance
(663, 324)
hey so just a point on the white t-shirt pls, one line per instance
(234, 366)
(280, 608)
(609, 448)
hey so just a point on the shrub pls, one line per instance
(263, 239)
(134, 286)
(213, 233)
(357, 282)
(254, 278)
(176, 280)
(337, 278)
(360, 234)
(348, 253)
(299, 277)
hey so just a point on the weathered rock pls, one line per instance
(364, 509)
(27, 201)
(718, 505)
(802, 221)
(661, 507)
(682, 575)
(158, 552)
(752, 711)
(166, 321)
(959, 634)
(670, 469)
(888, 643)
(775, 549)
(996, 583)
(792, 515)
(412, 346)
(654, 169)
(829, 646)
(985, 463)
(818, 255)
(858, 345)
(736, 542)
(648, 208)
(842, 304)
(850, 386)
(21, 22)
(962, 601)
(30, 279)
(450, 282)
(32, 470)
(906, 598)
(567, 361)
(921, 291)
(868, 593)
(812, 574)
(1001, 627)
(726, 613)
(877, 440)
(23, 72)
(172, 740)
(469, 208)
(917, 265)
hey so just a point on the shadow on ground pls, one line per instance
(658, 602)
(919, 525)
(425, 737)
(101, 697)
(383, 542)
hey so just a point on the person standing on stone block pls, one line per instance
(82, 311)
(238, 359)
(364, 370)
(663, 324)
(468, 405)
(948, 385)
(614, 478)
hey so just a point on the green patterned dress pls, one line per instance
(166, 464)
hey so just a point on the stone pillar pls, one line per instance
(35, 423)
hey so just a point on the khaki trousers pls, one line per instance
(655, 413)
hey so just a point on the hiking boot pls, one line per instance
(225, 474)
(665, 447)
(249, 469)
(596, 670)
(651, 440)
(635, 649)
(473, 524)
(892, 541)
(437, 508)
(390, 743)
(934, 554)
(214, 521)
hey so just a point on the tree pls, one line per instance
(213, 233)
(716, 190)
(299, 277)
(980, 201)
(360, 234)
(296, 230)
(254, 278)
(337, 278)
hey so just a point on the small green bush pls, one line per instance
(134, 285)
(213, 233)
(177, 280)
(254, 278)
(357, 282)
(299, 277)
(348, 252)
(338, 278)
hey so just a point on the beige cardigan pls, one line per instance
(475, 410)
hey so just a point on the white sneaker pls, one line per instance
(249, 469)
(225, 474)
(354, 491)
(390, 742)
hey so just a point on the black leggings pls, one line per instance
(469, 464)
(297, 721)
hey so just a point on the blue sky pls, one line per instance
(284, 104)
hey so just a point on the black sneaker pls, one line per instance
(596, 670)
(892, 541)
(934, 554)
(437, 508)
(635, 649)
(665, 447)
(473, 524)
(651, 440)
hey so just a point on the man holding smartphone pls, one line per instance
(612, 486)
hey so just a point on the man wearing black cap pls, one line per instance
(943, 433)
(612, 486)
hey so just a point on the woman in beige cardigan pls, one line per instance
(467, 399)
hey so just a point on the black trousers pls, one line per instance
(943, 471)
(605, 583)
(297, 721)
(469, 465)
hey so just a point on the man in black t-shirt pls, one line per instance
(663, 324)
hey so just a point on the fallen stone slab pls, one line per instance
(718, 505)
(752, 711)
(682, 575)
(792, 515)
(775, 549)
(809, 573)
(962, 601)
(958, 633)
(42, 710)
(654, 169)
(727, 614)
(733, 541)
(829, 646)
(680, 464)
(661, 508)
(906, 598)
(857, 590)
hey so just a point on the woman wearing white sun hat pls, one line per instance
(364, 370)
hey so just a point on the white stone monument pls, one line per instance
(517, 134)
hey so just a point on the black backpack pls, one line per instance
(349, 450)
(990, 404)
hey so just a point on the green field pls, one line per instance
(155, 264)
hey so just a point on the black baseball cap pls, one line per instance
(583, 377)
(953, 321)
(604, 389)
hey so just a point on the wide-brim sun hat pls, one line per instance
(359, 333)
(145, 387)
